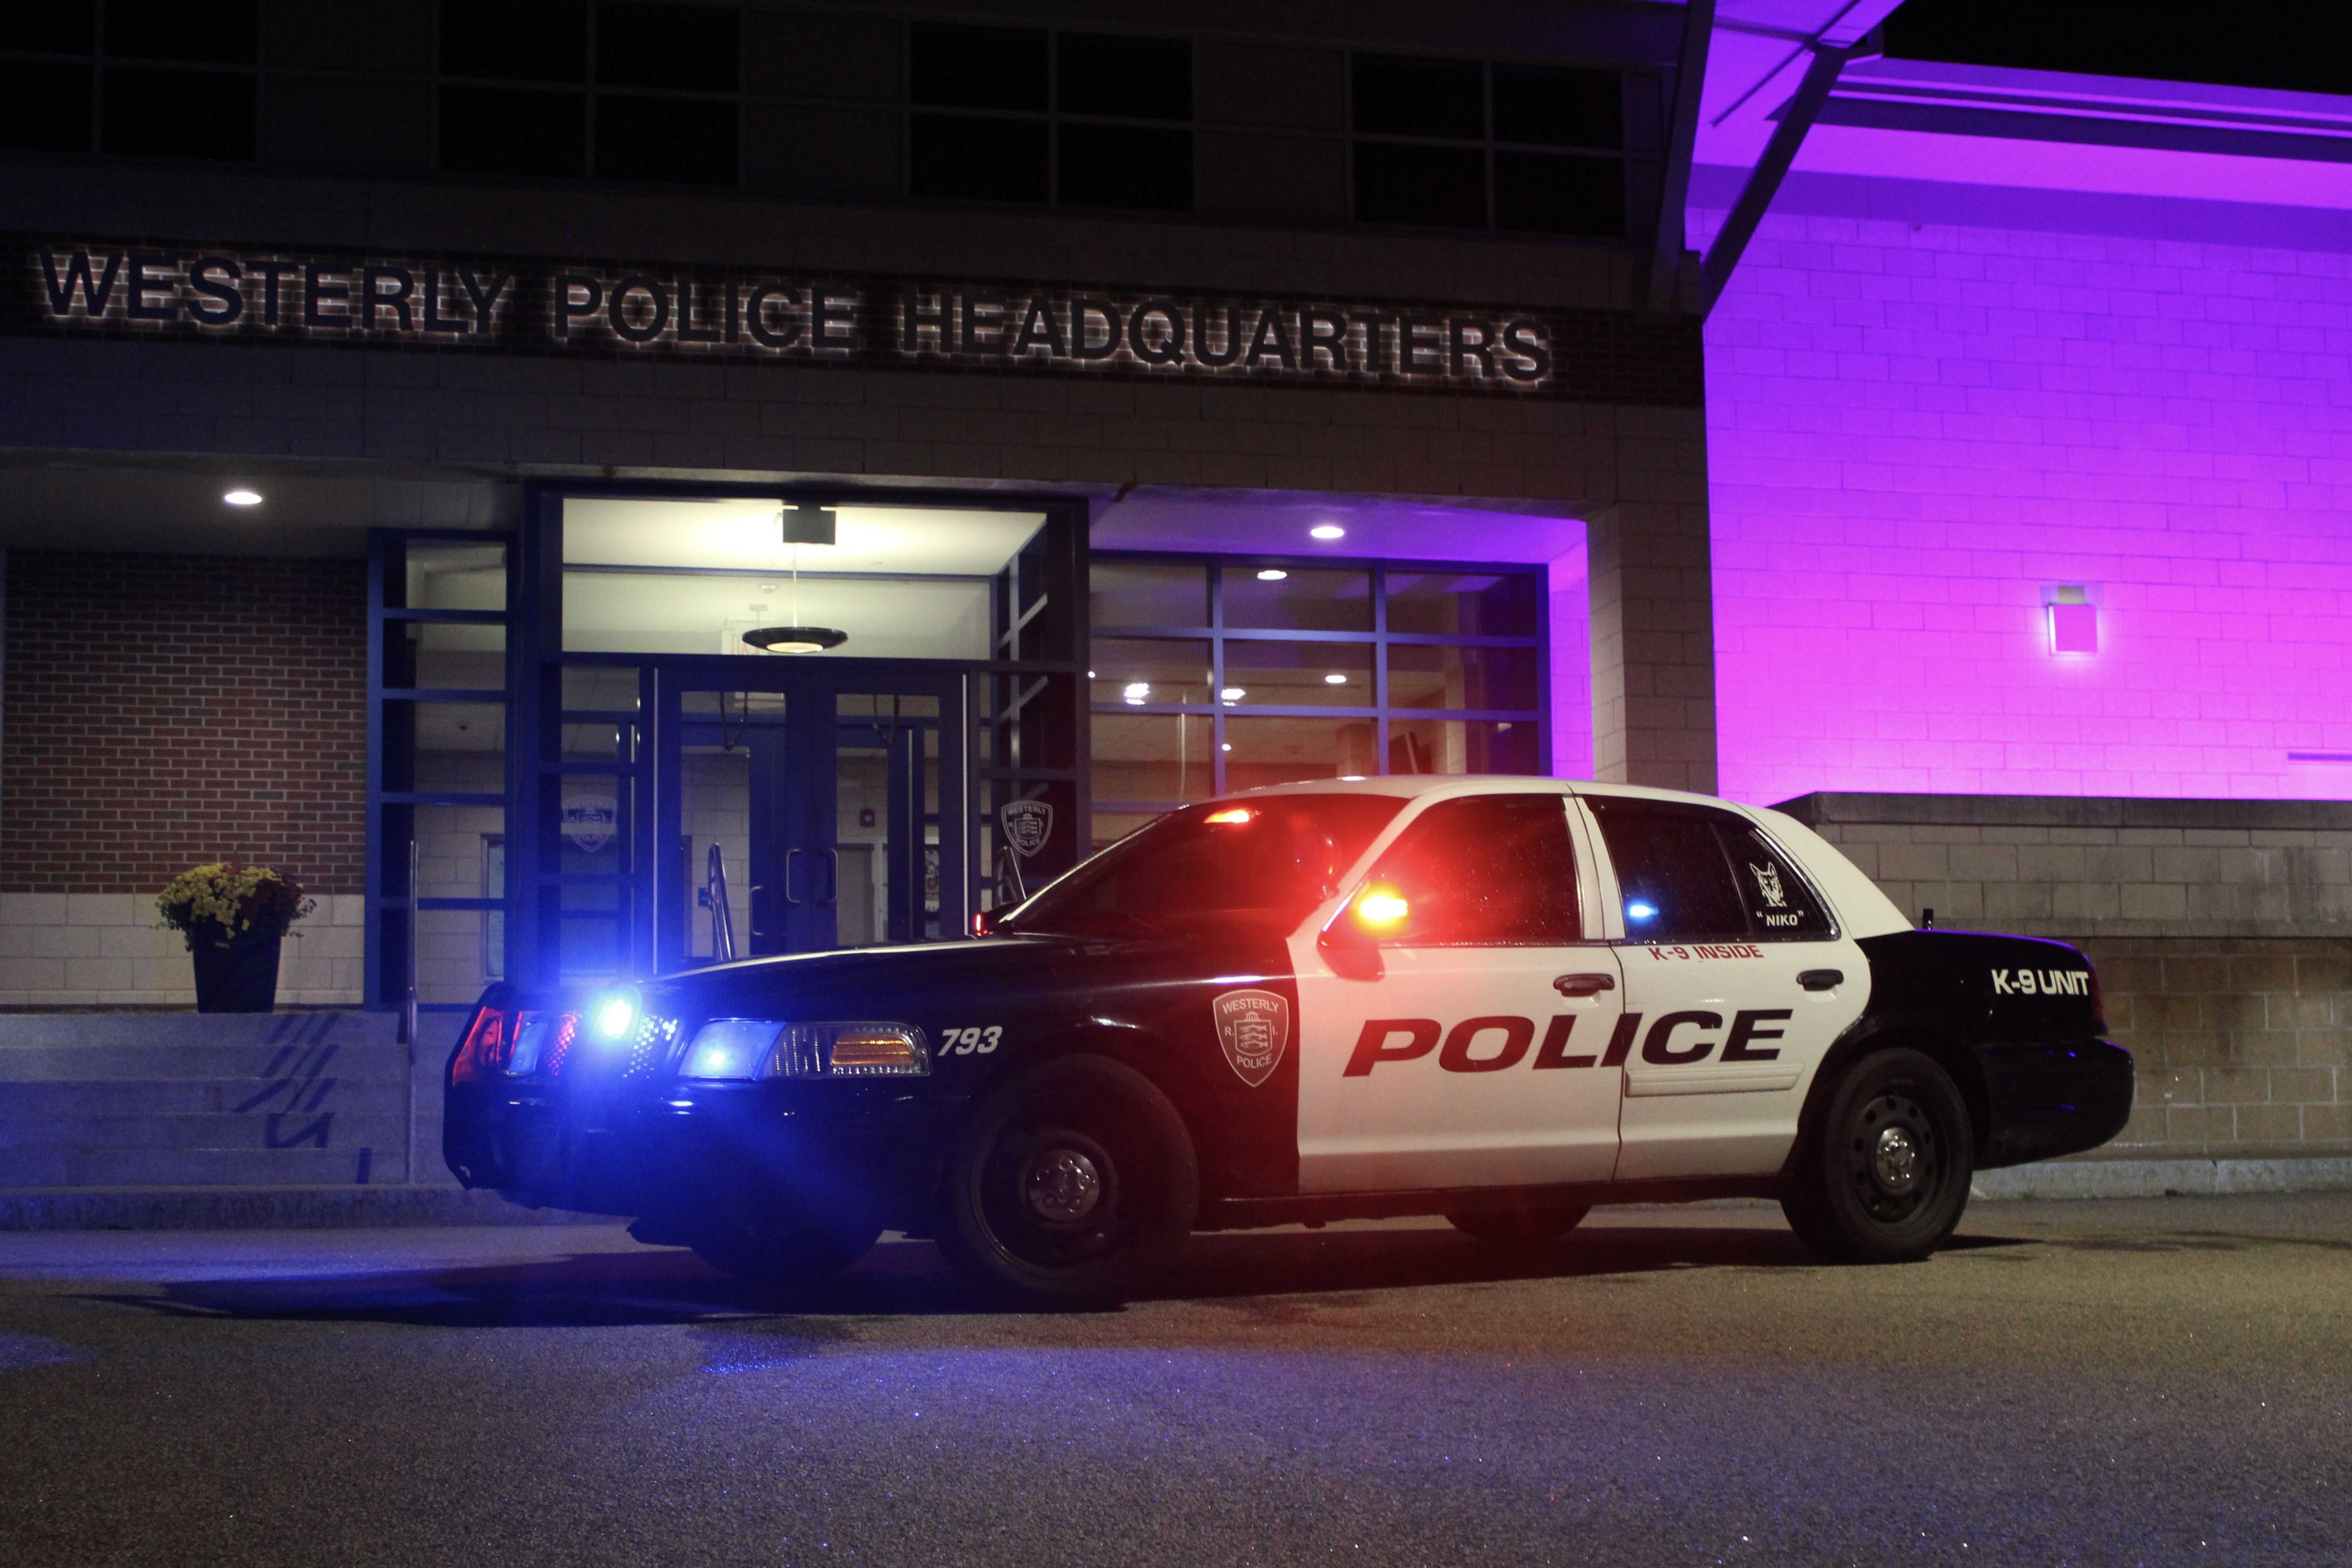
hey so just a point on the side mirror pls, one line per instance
(1353, 952)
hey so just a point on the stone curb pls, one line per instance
(2161, 1178)
(267, 1208)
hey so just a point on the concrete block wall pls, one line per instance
(2221, 933)
(104, 949)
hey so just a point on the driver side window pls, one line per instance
(1491, 870)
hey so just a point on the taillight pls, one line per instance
(486, 1047)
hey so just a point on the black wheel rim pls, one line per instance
(1056, 1196)
(1895, 1159)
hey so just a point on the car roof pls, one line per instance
(1414, 786)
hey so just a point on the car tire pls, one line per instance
(784, 1253)
(1072, 1186)
(1519, 1228)
(1883, 1176)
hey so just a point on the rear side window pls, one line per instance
(1491, 870)
(1690, 873)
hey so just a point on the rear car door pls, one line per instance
(1455, 1038)
(1736, 982)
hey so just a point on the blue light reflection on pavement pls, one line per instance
(35, 1349)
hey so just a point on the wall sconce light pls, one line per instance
(2073, 621)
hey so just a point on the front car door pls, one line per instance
(1455, 1023)
(1736, 982)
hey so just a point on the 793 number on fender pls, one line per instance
(978, 1040)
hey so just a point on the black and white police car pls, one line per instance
(1498, 1000)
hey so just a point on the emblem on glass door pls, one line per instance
(1027, 824)
(589, 821)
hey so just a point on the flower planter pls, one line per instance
(241, 977)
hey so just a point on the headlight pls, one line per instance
(612, 1015)
(731, 1048)
(769, 1048)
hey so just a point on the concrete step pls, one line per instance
(334, 1126)
(280, 1207)
(54, 1064)
(191, 1096)
(333, 1166)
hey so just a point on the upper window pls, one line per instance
(1491, 870)
(620, 89)
(1464, 144)
(1692, 873)
(153, 78)
(1022, 114)
(1211, 676)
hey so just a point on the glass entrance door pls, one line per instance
(823, 795)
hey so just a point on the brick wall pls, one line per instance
(1917, 430)
(165, 711)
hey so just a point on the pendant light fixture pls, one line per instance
(803, 523)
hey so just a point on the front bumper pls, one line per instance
(707, 1155)
(2048, 1100)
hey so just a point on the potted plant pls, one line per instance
(233, 918)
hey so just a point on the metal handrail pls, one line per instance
(714, 899)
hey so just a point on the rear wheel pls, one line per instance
(1072, 1186)
(1519, 1227)
(785, 1253)
(1885, 1176)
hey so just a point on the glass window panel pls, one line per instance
(1491, 870)
(666, 140)
(1126, 166)
(640, 44)
(219, 32)
(1463, 746)
(1559, 108)
(1158, 757)
(1147, 594)
(1465, 604)
(496, 131)
(456, 576)
(1671, 873)
(178, 114)
(708, 612)
(518, 40)
(452, 655)
(595, 742)
(1297, 675)
(963, 157)
(976, 68)
(1780, 903)
(1277, 750)
(1404, 182)
(596, 689)
(67, 27)
(714, 808)
(1421, 676)
(1134, 672)
(1419, 97)
(44, 107)
(1299, 599)
(1134, 79)
(1111, 826)
(1542, 193)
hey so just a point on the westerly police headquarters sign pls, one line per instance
(249, 294)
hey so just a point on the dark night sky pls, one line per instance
(2304, 46)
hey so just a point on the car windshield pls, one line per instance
(1278, 857)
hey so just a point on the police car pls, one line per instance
(1498, 1000)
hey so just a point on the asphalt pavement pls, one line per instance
(2120, 1382)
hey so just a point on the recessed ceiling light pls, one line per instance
(1272, 575)
(1335, 681)
(243, 498)
(1232, 694)
(1227, 746)
(1327, 530)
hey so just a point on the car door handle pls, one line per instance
(1584, 985)
(1821, 979)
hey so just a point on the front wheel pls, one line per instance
(1885, 1176)
(1072, 1186)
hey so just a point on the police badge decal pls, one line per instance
(1254, 1027)
(1027, 824)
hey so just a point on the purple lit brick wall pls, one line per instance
(1917, 433)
